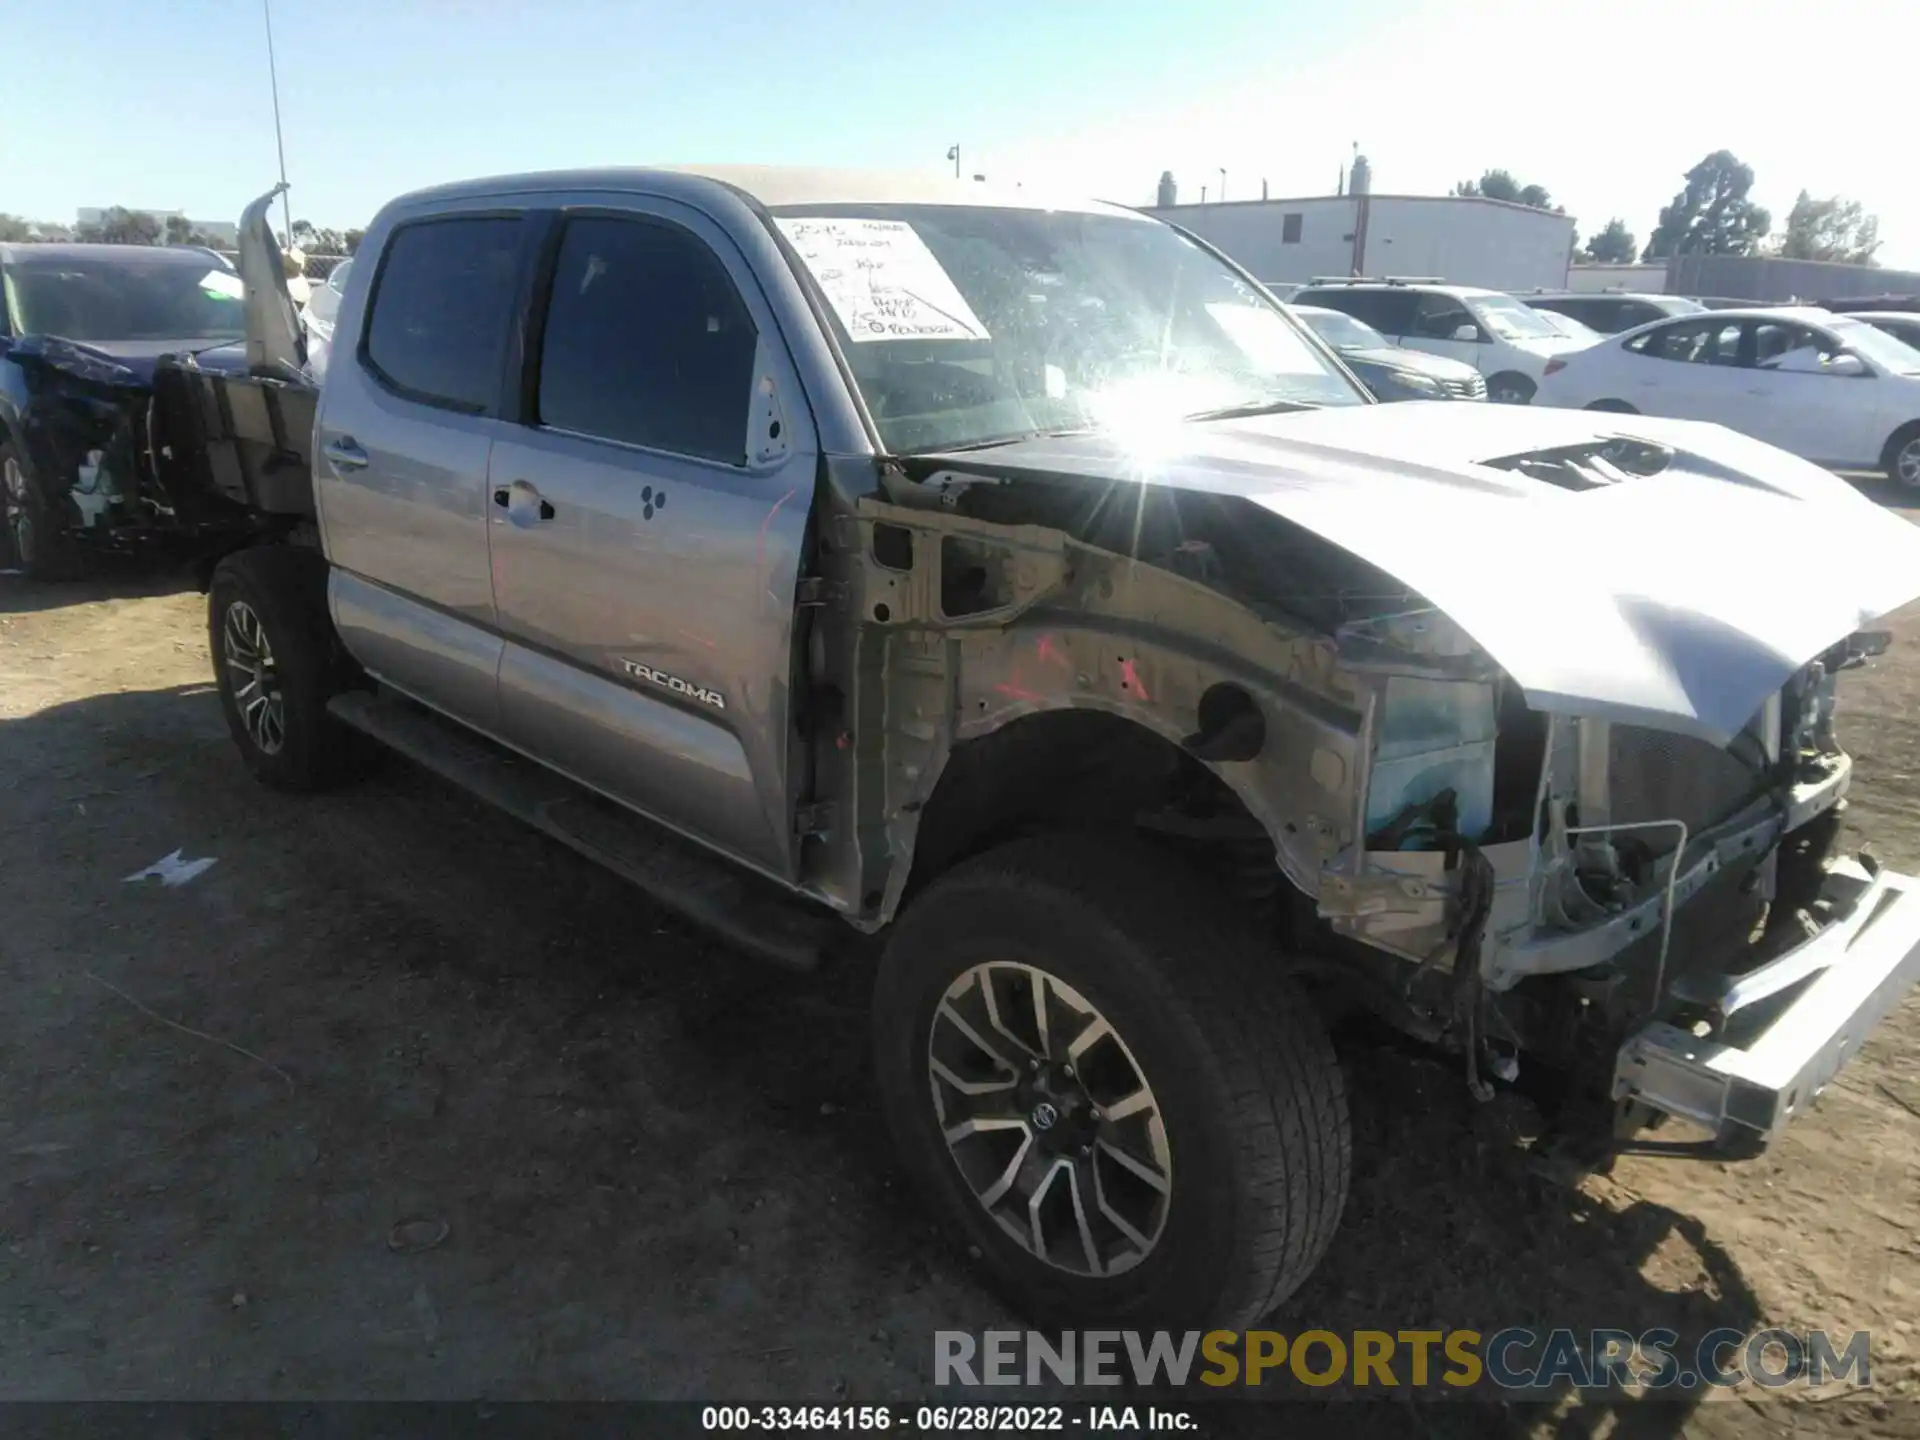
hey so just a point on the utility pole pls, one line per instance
(273, 79)
(1223, 184)
(953, 154)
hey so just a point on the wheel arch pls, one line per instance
(1903, 434)
(1089, 768)
(1520, 380)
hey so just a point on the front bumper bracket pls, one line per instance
(1785, 1029)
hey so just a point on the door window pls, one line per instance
(646, 341)
(1700, 342)
(1439, 317)
(442, 306)
(1791, 349)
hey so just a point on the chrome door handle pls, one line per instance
(345, 454)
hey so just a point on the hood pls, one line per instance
(125, 364)
(275, 345)
(1439, 367)
(1680, 599)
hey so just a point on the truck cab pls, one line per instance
(1010, 578)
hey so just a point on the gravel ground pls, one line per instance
(399, 1100)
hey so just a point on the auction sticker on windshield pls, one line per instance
(882, 280)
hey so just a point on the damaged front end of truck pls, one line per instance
(1526, 715)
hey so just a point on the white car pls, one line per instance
(1505, 340)
(1903, 325)
(317, 316)
(1829, 388)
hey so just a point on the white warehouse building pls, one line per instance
(1464, 240)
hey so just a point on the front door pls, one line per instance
(648, 524)
(1795, 401)
(1442, 325)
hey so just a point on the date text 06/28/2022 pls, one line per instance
(935, 1419)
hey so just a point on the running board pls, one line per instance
(733, 903)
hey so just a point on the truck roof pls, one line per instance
(777, 187)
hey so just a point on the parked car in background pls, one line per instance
(317, 316)
(1829, 388)
(1392, 372)
(1904, 326)
(1496, 334)
(81, 329)
(1610, 313)
(1570, 327)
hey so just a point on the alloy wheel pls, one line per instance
(1050, 1119)
(255, 680)
(16, 524)
(1906, 465)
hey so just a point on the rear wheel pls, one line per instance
(1509, 388)
(276, 662)
(31, 535)
(1902, 458)
(1104, 1083)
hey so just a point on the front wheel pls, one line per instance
(31, 535)
(1103, 1081)
(1902, 458)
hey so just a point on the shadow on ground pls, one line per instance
(111, 578)
(660, 1166)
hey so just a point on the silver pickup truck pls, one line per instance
(1010, 577)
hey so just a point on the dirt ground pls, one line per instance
(658, 1166)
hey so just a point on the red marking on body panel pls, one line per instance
(1050, 655)
(760, 540)
(1130, 678)
(1016, 692)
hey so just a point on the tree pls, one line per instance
(180, 231)
(121, 226)
(1500, 185)
(351, 239)
(316, 240)
(1830, 229)
(1614, 245)
(14, 230)
(1712, 215)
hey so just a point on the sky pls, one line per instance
(169, 106)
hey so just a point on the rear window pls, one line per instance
(442, 305)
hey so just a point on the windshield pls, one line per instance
(1343, 332)
(1509, 319)
(968, 325)
(93, 299)
(1877, 346)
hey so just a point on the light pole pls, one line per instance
(273, 79)
(953, 154)
(1223, 184)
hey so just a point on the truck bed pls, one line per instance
(235, 438)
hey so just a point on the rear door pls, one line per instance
(648, 518)
(401, 445)
(1690, 370)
